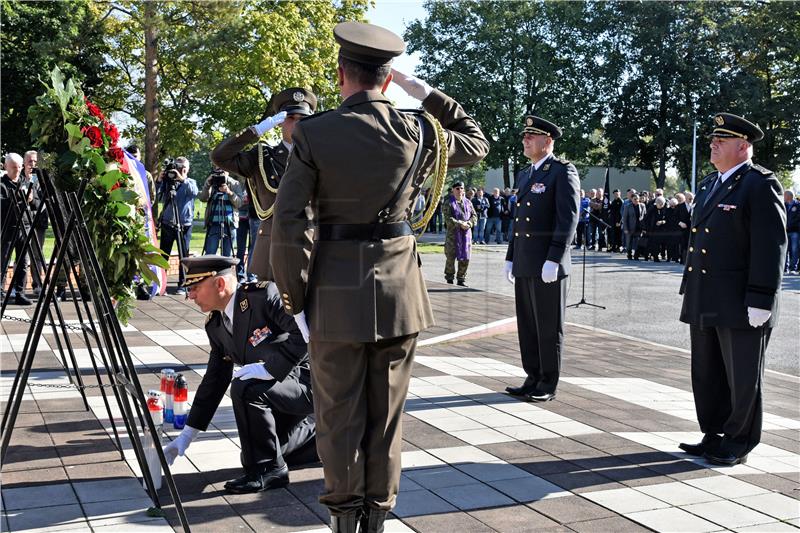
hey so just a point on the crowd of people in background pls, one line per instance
(495, 214)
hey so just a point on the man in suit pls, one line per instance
(361, 167)
(730, 290)
(263, 165)
(538, 257)
(271, 391)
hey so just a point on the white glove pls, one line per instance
(507, 268)
(300, 319)
(253, 371)
(758, 316)
(180, 444)
(414, 87)
(549, 271)
(269, 123)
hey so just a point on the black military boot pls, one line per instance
(345, 523)
(372, 520)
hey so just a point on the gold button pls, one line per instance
(288, 307)
(703, 250)
(527, 219)
(528, 204)
(691, 248)
(261, 232)
(694, 230)
(518, 204)
(516, 234)
(517, 219)
(527, 234)
(285, 295)
(275, 178)
(703, 271)
(689, 269)
(708, 230)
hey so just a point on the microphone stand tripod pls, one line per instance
(583, 274)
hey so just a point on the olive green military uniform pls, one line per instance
(450, 241)
(262, 173)
(365, 299)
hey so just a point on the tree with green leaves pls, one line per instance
(186, 69)
(36, 37)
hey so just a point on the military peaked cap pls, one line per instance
(727, 125)
(539, 126)
(295, 101)
(205, 266)
(367, 43)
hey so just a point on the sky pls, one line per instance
(395, 15)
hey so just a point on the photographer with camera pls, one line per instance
(178, 191)
(224, 197)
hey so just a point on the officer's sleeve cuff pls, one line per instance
(759, 299)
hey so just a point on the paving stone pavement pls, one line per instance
(602, 457)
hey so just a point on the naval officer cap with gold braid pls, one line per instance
(735, 127)
(206, 266)
(539, 126)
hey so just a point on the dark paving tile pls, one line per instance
(512, 451)
(617, 524)
(286, 518)
(547, 464)
(518, 518)
(582, 481)
(570, 509)
(447, 522)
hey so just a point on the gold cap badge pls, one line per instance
(719, 120)
(298, 96)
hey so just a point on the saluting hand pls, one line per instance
(269, 123)
(413, 86)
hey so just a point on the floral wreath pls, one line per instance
(83, 143)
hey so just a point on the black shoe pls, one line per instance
(524, 390)
(709, 443)
(537, 396)
(21, 299)
(461, 283)
(449, 281)
(724, 457)
(372, 521)
(273, 479)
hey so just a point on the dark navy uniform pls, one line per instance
(734, 261)
(546, 218)
(272, 416)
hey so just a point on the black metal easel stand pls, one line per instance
(583, 274)
(117, 362)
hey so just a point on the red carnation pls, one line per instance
(117, 153)
(94, 110)
(112, 132)
(94, 134)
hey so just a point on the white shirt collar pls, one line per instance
(287, 145)
(540, 162)
(229, 308)
(725, 176)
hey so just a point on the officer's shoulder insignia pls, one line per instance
(262, 284)
(546, 167)
(761, 170)
(413, 111)
(243, 305)
(561, 160)
(254, 285)
(210, 316)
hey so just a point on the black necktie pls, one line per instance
(227, 323)
(717, 183)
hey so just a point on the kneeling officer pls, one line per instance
(271, 392)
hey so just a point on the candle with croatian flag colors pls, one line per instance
(181, 395)
(167, 384)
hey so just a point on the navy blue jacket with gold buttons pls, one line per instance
(547, 215)
(737, 248)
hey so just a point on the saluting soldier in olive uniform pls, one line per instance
(361, 167)
(271, 392)
(263, 165)
(733, 273)
(538, 257)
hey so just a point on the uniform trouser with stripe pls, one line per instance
(359, 393)
(727, 370)
(540, 328)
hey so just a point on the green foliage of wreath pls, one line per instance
(83, 145)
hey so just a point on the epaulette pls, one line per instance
(413, 111)
(254, 285)
(210, 315)
(561, 160)
(710, 176)
(315, 115)
(761, 170)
